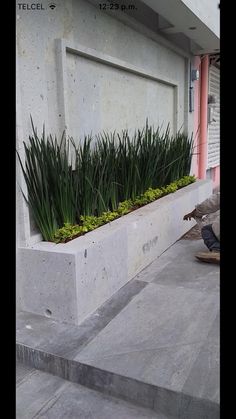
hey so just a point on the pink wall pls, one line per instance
(216, 177)
(199, 163)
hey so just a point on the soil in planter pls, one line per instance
(195, 232)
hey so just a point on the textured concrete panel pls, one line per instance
(155, 227)
(68, 282)
(48, 284)
(101, 270)
(110, 97)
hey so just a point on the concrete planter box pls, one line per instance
(70, 281)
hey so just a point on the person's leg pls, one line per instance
(212, 244)
(209, 238)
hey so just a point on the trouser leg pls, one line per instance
(209, 238)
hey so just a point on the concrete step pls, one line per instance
(155, 343)
(42, 395)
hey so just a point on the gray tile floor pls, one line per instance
(160, 330)
(42, 395)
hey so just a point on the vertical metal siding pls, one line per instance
(214, 126)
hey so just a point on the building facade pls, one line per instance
(86, 66)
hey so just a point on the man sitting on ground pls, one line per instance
(210, 232)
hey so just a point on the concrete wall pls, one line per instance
(135, 78)
(81, 23)
(207, 11)
(112, 98)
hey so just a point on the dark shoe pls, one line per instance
(209, 257)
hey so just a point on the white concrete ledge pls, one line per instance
(70, 281)
(99, 57)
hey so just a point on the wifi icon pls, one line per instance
(52, 6)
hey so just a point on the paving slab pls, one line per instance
(203, 379)
(65, 339)
(34, 391)
(42, 395)
(157, 337)
(23, 371)
(179, 267)
(155, 342)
